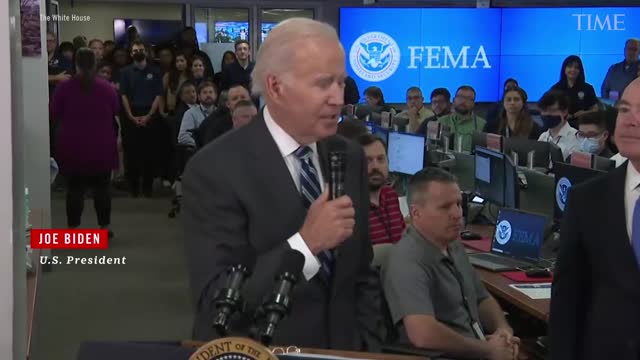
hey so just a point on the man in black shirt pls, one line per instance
(59, 67)
(141, 87)
(440, 105)
(239, 72)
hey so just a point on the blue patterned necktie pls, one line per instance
(635, 231)
(311, 190)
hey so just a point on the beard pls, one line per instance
(462, 110)
(376, 183)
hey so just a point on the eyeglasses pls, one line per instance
(581, 135)
(287, 350)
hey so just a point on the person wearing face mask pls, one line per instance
(207, 96)
(385, 218)
(464, 122)
(593, 135)
(554, 112)
(141, 89)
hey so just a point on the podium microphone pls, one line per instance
(278, 304)
(229, 299)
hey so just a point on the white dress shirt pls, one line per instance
(631, 194)
(566, 139)
(619, 159)
(287, 146)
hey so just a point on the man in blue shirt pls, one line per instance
(141, 87)
(622, 73)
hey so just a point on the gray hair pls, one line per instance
(635, 40)
(276, 53)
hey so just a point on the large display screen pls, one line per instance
(398, 48)
(395, 48)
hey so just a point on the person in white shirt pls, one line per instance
(554, 112)
(595, 293)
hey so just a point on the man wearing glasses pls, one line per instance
(416, 112)
(593, 135)
(464, 122)
(440, 105)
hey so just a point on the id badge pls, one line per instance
(478, 330)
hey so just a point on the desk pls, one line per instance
(498, 285)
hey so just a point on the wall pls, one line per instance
(102, 14)
(35, 119)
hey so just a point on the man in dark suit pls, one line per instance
(595, 300)
(250, 188)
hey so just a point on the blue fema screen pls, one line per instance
(536, 41)
(395, 48)
(398, 48)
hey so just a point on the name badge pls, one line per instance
(478, 330)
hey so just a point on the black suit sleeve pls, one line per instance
(216, 223)
(570, 282)
(368, 288)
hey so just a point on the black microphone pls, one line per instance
(337, 169)
(278, 304)
(229, 299)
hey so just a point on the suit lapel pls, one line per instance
(621, 252)
(271, 166)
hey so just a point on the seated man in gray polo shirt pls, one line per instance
(436, 300)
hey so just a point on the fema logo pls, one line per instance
(562, 190)
(374, 56)
(503, 232)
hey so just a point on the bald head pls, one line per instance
(627, 134)
(632, 50)
(278, 52)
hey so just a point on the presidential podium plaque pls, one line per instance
(233, 348)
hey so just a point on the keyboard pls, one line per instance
(495, 262)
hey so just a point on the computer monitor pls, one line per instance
(496, 178)
(490, 175)
(519, 234)
(369, 126)
(478, 139)
(380, 132)
(567, 176)
(405, 153)
(544, 152)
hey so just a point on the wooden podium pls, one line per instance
(250, 349)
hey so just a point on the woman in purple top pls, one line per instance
(84, 108)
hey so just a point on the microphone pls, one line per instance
(229, 299)
(337, 169)
(277, 305)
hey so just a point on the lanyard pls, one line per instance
(385, 223)
(465, 300)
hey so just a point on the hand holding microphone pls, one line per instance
(328, 223)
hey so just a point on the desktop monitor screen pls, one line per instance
(151, 31)
(231, 31)
(380, 132)
(490, 175)
(406, 153)
(566, 176)
(519, 234)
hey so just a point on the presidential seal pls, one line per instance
(233, 348)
